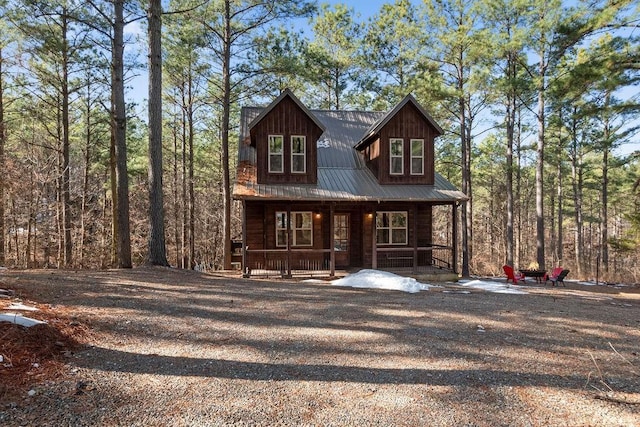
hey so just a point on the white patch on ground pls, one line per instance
(20, 307)
(492, 286)
(375, 279)
(19, 319)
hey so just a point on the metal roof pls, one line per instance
(357, 185)
(342, 173)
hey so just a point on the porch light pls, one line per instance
(370, 215)
(318, 215)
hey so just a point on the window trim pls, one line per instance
(392, 156)
(270, 153)
(390, 228)
(303, 154)
(294, 243)
(421, 157)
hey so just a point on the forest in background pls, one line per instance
(539, 100)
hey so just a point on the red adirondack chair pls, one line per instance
(511, 275)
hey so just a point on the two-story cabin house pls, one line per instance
(326, 190)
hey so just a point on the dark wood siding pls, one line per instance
(261, 234)
(286, 119)
(425, 225)
(407, 124)
(372, 157)
(261, 227)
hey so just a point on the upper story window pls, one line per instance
(298, 154)
(396, 156)
(301, 229)
(391, 228)
(417, 157)
(276, 154)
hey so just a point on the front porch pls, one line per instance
(433, 262)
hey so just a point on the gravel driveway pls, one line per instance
(178, 348)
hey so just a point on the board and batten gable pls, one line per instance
(408, 122)
(286, 118)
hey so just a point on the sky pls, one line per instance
(364, 9)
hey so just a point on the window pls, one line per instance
(341, 232)
(301, 228)
(417, 156)
(391, 228)
(396, 150)
(298, 154)
(281, 229)
(276, 154)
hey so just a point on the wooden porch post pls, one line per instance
(374, 245)
(332, 241)
(245, 268)
(454, 237)
(415, 239)
(289, 239)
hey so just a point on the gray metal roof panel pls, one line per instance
(341, 184)
(343, 130)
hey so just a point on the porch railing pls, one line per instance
(317, 262)
(278, 262)
(420, 260)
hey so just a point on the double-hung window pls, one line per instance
(417, 157)
(276, 154)
(301, 229)
(391, 228)
(396, 156)
(298, 154)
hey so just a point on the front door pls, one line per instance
(341, 239)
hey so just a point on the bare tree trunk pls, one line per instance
(157, 250)
(559, 245)
(114, 199)
(466, 170)
(226, 107)
(121, 202)
(15, 235)
(185, 201)
(605, 188)
(192, 197)
(2, 166)
(540, 168)
(176, 184)
(510, 123)
(518, 208)
(85, 174)
(576, 175)
(59, 186)
(66, 176)
(105, 250)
